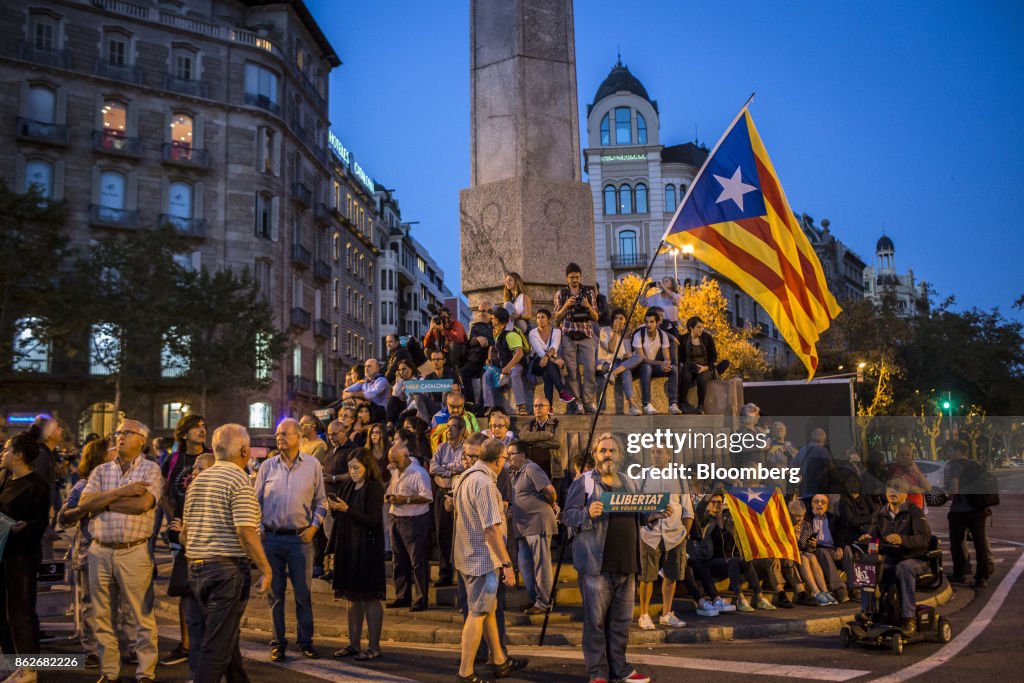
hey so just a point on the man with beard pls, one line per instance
(604, 555)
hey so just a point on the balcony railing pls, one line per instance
(58, 58)
(629, 260)
(111, 141)
(302, 194)
(322, 213)
(185, 155)
(263, 102)
(37, 131)
(301, 385)
(301, 318)
(301, 257)
(107, 217)
(327, 392)
(125, 73)
(185, 86)
(309, 87)
(322, 271)
(196, 227)
(322, 329)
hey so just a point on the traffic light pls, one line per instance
(945, 405)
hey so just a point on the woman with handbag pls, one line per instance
(358, 542)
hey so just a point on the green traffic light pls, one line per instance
(945, 405)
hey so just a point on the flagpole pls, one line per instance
(704, 166)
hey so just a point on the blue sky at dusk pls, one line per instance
(903, 117)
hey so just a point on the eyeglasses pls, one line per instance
(126, 432)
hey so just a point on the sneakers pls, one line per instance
(706, 609)
(175, 656)
(673, 409)
(92, 661)
(672, 620)
(742, 605)
(831, 598)
(723, 606)
(908, 626)
(822, 599)
(765, 603)
(634, 677)
(634, 411)
(650, 410)
(806, 599)
(565, 397)
(783, 601)
(645, 622)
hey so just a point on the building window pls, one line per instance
(641, 198)
(42, 104)
(265, 150)
(318, 368)
(625, 199)
(173, 412)
(174, 364)
(641, 129)
(606, 133)
(104, 349)
(263, 215)
(262, 273)
(334, 337)
(297, 361)
(181, 136)
(44, 32)
(260, 87)
(179, 206)
(259, 415)
(184, 65)
(30, 353)
(682, 191)
(627, 244)
(739, 316)
(610, 200)
(117, 49)
(623, 128)
(39, 174)
(336, 294)
(670, 198)
(115, 124)
(112, 195)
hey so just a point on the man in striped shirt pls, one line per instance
(221, 537)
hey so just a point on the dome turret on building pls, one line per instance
(884, 244)
(621, 79)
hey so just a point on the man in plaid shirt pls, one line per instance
(122, 495)
(575, 312)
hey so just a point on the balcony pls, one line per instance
(184, 86)
(301, 318)
(322, 213)
(322, 271)
(322, 329)
(302, 195)
(301, 385)
(263, 102)
(109, 141)
(122, 73)
(37, 131)
(760, 330)
(108, 217)
(58, 58)
(625, 261)
(301, 257)
(193, 227)
(185, 155)
(327, 392)
(310, 88)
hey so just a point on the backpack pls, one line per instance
(981, 489)
(522, 337)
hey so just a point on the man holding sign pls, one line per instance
(605, 557)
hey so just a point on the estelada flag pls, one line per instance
(762, 525)
(736, 219)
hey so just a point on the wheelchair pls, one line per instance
(882, 627)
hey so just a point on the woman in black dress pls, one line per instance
(24, 499)
(358, 541)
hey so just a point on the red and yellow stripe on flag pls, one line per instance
(737, 220)
(763, 528)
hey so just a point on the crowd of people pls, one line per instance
(407, 471)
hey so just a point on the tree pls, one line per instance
(226, 333)
(706, 302)
(35, 244)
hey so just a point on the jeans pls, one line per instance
(290, 557)
(19, 624)
(577, 351)
(194, 627)
(827, 560)
(496, 397)
(608, 601)
(119, 577)
(410, 545)
(647, 371)
(499, 614)
(624, 382)
(905, 574)
(535, 568)
(221, 587)
(687, 380)
(959, 524)
(468, 373)
(552, 377)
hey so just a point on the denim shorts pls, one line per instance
(481, 592)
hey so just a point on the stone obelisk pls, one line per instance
(527, 209)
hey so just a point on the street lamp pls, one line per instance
(948, 405)
(675, 262)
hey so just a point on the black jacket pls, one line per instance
(394, 358)
(855, 514)
(710, 352)
(911, 525)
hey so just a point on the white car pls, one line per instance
(935, 472)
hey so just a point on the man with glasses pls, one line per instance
(542, 450)
(290, 490)
(121, 495)
(373, 389)
(311, 443)
(433, 400)
(534, 509)
(408, 498)
(447, 463)
(497, 427)
(455, 406)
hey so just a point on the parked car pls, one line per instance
(935, 472)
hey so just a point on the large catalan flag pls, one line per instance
(736, 219)
(763, 528)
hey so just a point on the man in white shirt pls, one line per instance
(652, 345)
(409, 497)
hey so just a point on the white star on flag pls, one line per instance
(733, 188)
(753, 495)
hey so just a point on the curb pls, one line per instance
(445, 628)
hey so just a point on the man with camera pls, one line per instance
(575, 312)
(447, 336)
